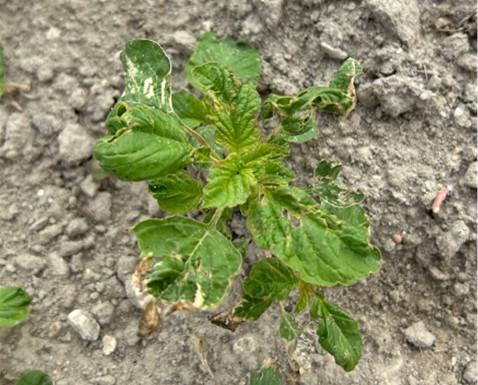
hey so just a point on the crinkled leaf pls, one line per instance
(189, 261)
(267, 376)
(229, 183)
(189, 108)
(241, 59)
(303, 299)
(34, 377)
(268, 280)
(13, 306)
(147, 71)
(323, 249)
(2, 73)
(289, 328)
(178, 192)
(339, 335)
(235, 106)
(152, 144)
(344, 78)
(330, 189)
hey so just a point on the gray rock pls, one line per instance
(455, 45)
(69, 248)
(450, 242)
(470, 374)
(468, 62)
(333, 52)
(76, 227)
(401, 19)
(109, 344)
(418, 335)
(47, 124)
(58, 265)
(18, 135)
(184, 41)
(125, 267)
(104, 312)
(84, 324)
(461, 116)
(30, 263)
(75, 144)
(100, 206)
(130, 334)
(77, 99)
(89, 187)
(50, 232)
(469, 180)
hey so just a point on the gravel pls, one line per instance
(84, 324)
(419, 336)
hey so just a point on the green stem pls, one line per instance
(201, 139)
(216, 216)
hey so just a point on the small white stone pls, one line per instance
(418, 335)
(109, 344)
(84, 323)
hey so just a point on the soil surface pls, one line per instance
(64, 229)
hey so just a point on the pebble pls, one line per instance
(76, 227)
(58, 265)
(469, 180)
(333, 52)
(461, 289)
(75, 144)
(69, 248)
(450, 242)
(55, 329)
(84, 324)
(461, 116)
(109, 344)
(89, 187)
(100, 206)
(470, 374)
(104, 312)
(49, 233)
(30, 263)
(418, 335)
(184, 41)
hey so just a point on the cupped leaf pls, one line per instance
(189, 260)
(269, 280)
(235, 106)
(320, 247)
(339, 334)
(229, 183)
(147, 71)
(289, 328)
(34, 377)
(241, 59)
(267, 376)
(189, 108)
(13, 306)
(178, 192)
(152, 144)
(344, 78)
(330, 189)
(2, 73)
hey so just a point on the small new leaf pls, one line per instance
(177, 193)
(189, 261)
(243, 60)
(34, 377)
(13, 306)
(339, 335)
(289, 328)
(267, 376)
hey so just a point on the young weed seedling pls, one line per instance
(318, 235)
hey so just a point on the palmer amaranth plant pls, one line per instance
(317, 236)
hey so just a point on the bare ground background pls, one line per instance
(64, 238)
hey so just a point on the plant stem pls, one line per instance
(201, 139)
(216, 216)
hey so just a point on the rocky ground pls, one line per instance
(63, 228)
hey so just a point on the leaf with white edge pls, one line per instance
(152, 144)
(34, 377)
(13, 306)
(269, 280)
(235, 106)
(344, 78)
(147, 74)
(2, 73)
(241, 59)
(320, 247)
(330, 189)
(189, 261)
(289, 328)
(229, 183)
(339, 335)
(189, 108)
(178, 193)
(267, 376)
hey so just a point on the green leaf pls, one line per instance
(34, 377)
(2, 73)
(235, 106)
(339, 335)
(13, 306)
(344, 78)
(189, 108)
(269, 280)
(289, 328)
(152, 144)
(229, 183)
(178, 193)
(267, 376)
(330, 190)
(147, 74)
(189, 260)
(314, 241)
(241, 59)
